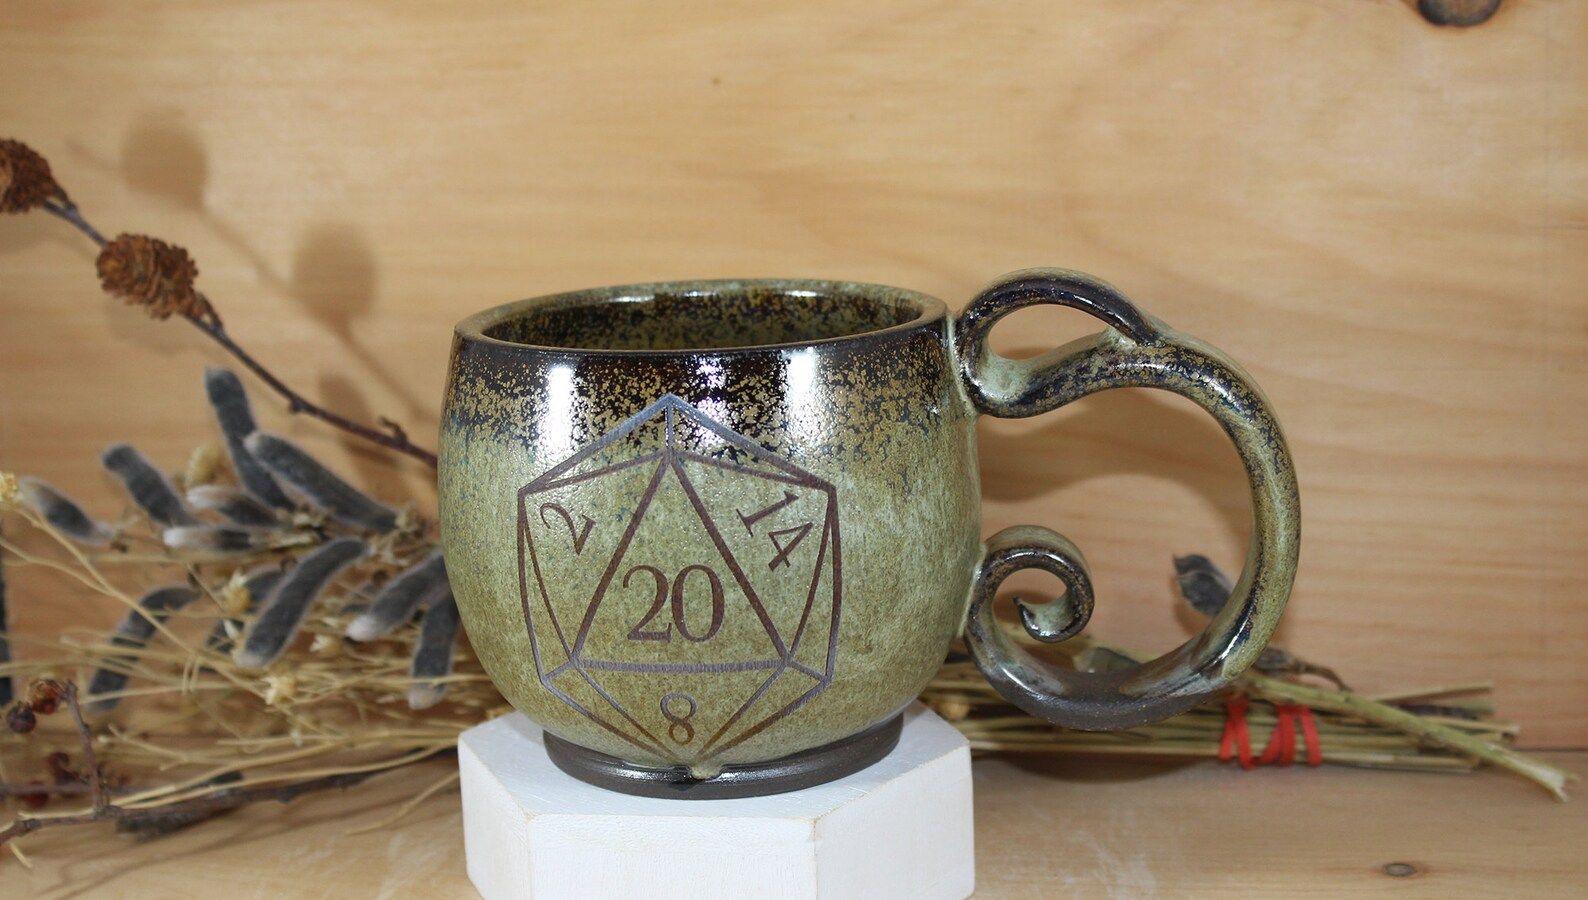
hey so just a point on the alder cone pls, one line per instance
(25, 179)
(148, 272)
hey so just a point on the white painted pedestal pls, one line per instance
(901, 828)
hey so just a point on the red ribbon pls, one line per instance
(1236, 743)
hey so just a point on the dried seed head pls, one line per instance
(203, 464)
(148, 272)
(25, 179)
(234, 596)
(44, 695)
(952, 709)
(10, 490)
(20, 718)
(280, 689)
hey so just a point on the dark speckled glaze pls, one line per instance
(707, 526)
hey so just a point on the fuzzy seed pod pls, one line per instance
(63, 515)
(1460, 13)
(149, 489)
(232, 504)
(287, 606)
(236, 418)
(258, 585)
(318, 485)
(432, 659)
(134, 633)
(218, 541)
(25, 179)
(401, 598)
(1201, 583)
(148, 272)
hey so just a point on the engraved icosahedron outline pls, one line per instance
(668, 458)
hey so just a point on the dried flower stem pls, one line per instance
(392, 438)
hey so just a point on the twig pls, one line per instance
(393, 438)
(96, 785)
(191, 810)
(157, 819)
(1549, 777)
(68, 210)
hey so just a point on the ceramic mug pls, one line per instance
(714, 536)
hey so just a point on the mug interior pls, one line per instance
(712, 315)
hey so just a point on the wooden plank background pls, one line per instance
(1385, 221)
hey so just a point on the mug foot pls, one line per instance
(804, 769)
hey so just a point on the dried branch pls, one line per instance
(395, 440)
(168, 817)
(96, 783)
(209, 321)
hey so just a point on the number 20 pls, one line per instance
(640, 632)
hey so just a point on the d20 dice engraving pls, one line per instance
(680, 583)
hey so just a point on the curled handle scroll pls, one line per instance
(1134, 351)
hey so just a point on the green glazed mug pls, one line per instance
(715, 536)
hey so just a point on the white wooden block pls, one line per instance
(901, 828)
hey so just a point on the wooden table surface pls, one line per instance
(1044, 826)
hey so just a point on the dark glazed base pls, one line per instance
(807, 768)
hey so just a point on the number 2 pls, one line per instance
(638, 632)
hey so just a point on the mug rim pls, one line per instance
(473, 328)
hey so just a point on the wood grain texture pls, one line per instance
(1044, 828)
(1384, 220)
